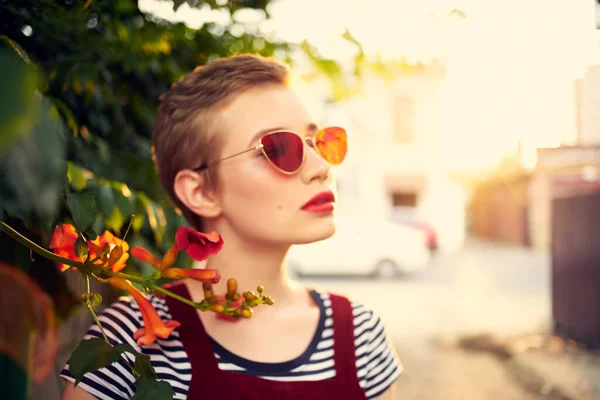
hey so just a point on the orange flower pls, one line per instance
(112, 241)
(170, 256)
(197, 274)
(198, 245)
(153, 326)
(144, 255)
(63, 243)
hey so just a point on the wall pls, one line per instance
(378, 163)
(500, 211)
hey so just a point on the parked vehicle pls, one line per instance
(363, 246)
(409, 217)
(430, 233)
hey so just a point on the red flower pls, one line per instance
(63, 243)
(198, 245)
(153, 325)
(197, 274)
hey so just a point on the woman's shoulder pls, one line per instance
(360, 312)
(368, 325)
(377, 363)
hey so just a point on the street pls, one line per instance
(483, 288)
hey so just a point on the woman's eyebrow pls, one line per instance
(312, 127)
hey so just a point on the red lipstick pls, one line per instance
(320, 203)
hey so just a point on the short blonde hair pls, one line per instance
(184, 133)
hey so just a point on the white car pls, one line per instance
(363, 246)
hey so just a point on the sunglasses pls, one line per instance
(285, 150)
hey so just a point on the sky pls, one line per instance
(510, 64)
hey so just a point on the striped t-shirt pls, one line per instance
(377, 364)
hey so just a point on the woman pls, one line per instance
(239, 154)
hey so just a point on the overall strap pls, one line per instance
(343, 339)
(192, 333)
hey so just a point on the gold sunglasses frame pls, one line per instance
(309, 140)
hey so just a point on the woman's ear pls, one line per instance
(195, 192)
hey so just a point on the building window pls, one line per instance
(404, 115)
(404, 199)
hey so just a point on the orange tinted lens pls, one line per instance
(332, 144)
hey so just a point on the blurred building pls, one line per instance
(393, 170)
(516, 207)
(559, 150)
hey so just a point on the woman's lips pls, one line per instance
(322, 202)
(319, 208)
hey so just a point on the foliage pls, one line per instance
(102, 259)
(79, 88)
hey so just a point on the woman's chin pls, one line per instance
(315, 233)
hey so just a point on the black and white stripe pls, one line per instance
(377, 364)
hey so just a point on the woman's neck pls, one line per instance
(253, 265)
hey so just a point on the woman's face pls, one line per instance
(259, 203)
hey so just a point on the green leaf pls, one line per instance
(106, 199)
(138, 222)
(34, 169)
(115, 221)
(152, 389)
(93, 354)
(76, 177)
(82, 207)
(126, 204)
(19, 111)
(143, 366)
(81, 247)
(90, 234)
(67, 114)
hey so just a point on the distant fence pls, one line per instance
(576, 267)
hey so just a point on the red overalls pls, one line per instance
(209, 382)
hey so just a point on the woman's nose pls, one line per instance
(315, 166)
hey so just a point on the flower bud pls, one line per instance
(217, 307)
(260, 289)
(269, 300)
(249, 296)
(231, 287)
(247, 312)
(198, 274)
(238, 312)
(208, 291)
